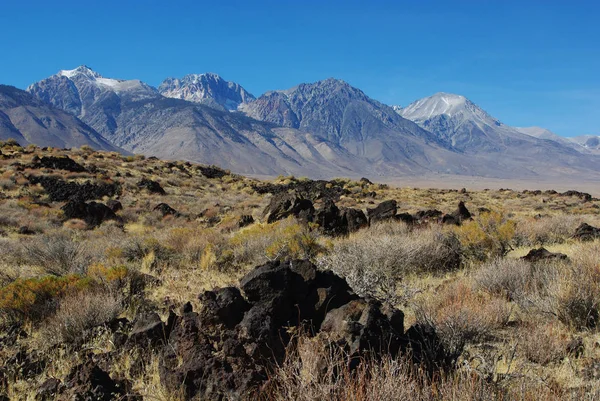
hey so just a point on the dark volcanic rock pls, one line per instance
(353, 219)
(151, 186)
(312, 190)
(212, 172)
(60, 190)
(148, 329)
(114, 205)
(536, 255)
(89, 382)
(49, 390)
(581, 195)
(384, 211)
(406, 218)
(458, 216)
(58, 163)
(24, 230)
(225, 306)
(361, 325)
(93, 213)
(227, 349)
(424, 216)
(245, 220)
(166, 210)
(585, 232)
(285, 205)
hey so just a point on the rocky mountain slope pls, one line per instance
(322, 130)
(136, 117)
(27, 119)
(209, 89)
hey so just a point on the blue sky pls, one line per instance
(525, 62)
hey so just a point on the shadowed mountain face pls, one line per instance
(29, 120)
(209, 89)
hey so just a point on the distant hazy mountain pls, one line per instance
(469, 129)
(29, 120)
(209, 89)
(588, 142)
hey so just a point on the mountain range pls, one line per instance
(321, 130)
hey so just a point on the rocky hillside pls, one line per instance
(29, 120)
(132, 278)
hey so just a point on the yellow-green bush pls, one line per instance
(488, 235)
(287, 238)
(32, 298)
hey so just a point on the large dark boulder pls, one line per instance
(148, 329)
(458, 216)
(384, 211)
(93, 213)
(363, 325)
(151, 186)
(88, 381)
(228, 348)
(284, 205)
(353, 219)
(537, 255)
(114, 205)
(585, 232)
(245, 220)
(425, 216)
(329, 219)
(166, 210)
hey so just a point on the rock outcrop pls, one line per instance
(227, 349)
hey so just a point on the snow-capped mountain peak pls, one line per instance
(81, 70)
(208, 88)
(448, 106)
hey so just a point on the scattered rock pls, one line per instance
(89, 382)
(365, 181)
(585, 232)
(384, 211)
(148, 329)
(353, 219)
(114, 205)
(24, 230)
(166, 210)
(425, 216)
(406, 218)
(312, 190)
(212, 172)
(151, 186)
(245, 220)
(536, 255)
(458, 216)
(93, 213)
(581, 195)
(49, 390)
(575, 347)
(285, 205)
